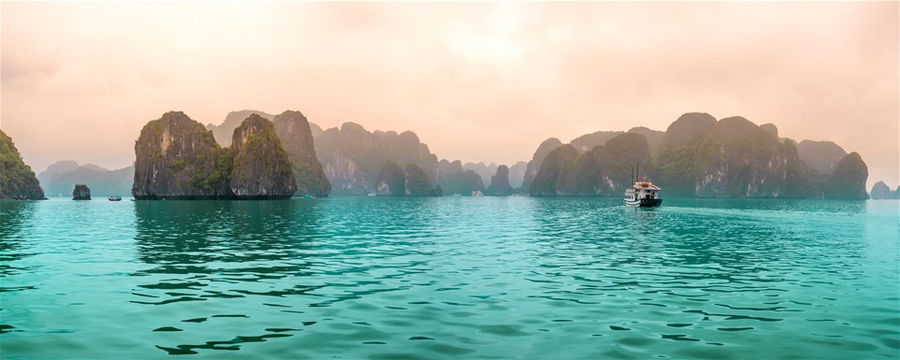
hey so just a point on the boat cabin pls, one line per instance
(642, 190)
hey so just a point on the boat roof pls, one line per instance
(646, 185)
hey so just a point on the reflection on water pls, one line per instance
(13, 239)
(450, 278)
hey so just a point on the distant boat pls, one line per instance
(115, 198)
(643, 194)
(477, 193)
(371, 194)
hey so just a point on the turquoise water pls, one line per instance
(453, 277)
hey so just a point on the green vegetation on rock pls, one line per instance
(293, 130)
(261, 168)
(500, 183)
(848, 181)
(391, 180)
(17, 180)
(417, 183)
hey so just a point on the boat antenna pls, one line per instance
(638, 173)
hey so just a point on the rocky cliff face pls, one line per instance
(821, 156)
(261, 168)
(517, 174)
(848, 180)
(534, 165)
(224, 131)
(391, 180)
(587, 142)
(688, 130)
(500, 183)
(482, 169)
(453, 179)
(17, 181)
(81, 192)
(699, 156)
(296, 136)
(59, 177)
(352, 156)
(417, 183)
(881, 191)
(177, 158)
(654, 139)
(553, 176)
(605, 170)
(739, 159)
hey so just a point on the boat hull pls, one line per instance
(647, 203)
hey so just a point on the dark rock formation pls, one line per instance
(821, 156)
(17, 181)
(417, 183)
(848, 180)
(534, 165)
(500, 183)
(454, 180)
(517, 174)
(699, 156)
(605, 170)
(881, 191)
(739, 159)
(483, 170)
(81, 192)
(587, 142)
(654, 139)
(294, 132)
(556, 172)
(770, 129)
(687, 130)
(352, 156)
(224, 131)
(177, 158)
(59, 177)
(391, 180)
(261, 167)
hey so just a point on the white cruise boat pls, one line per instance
(643, 194)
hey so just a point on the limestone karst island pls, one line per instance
(450, 180)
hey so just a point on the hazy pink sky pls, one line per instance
(476, 81)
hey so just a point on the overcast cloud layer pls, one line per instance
(476, 82)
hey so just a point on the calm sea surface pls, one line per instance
(452, 277)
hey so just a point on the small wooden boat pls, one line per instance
(115, 198)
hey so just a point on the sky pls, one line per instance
(476, 81)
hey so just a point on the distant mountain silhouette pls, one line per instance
(61, 177)
(699, 156)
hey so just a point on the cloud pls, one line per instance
(476, 81)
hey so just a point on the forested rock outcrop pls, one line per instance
(848, 180)
(352, 156)
(294, 131)
(178, 158)
(605, 170)
(881, 191)
(500, 183)
(540, 154)
(821, 156)
(17, 180)
(81, 192)
(700, 156)
(454, 180)
(261, 168)
(391, 180)
(416, 182)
